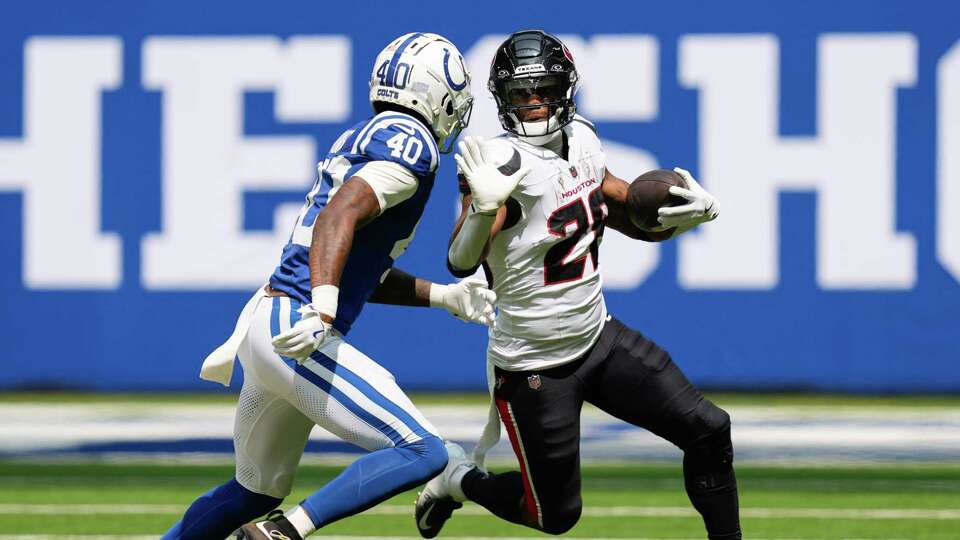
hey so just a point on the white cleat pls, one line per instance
(442, 495)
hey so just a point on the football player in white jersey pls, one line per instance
(536, 201)
(298, 369)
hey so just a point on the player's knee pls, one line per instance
(435, 455)
(559, 522)
(257, 503)
(712, 450)
(430, 455)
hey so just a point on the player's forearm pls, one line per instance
(618, 221)
(354, 205)
(615, 197)
(467, 300)
(330, 247)
(402, 289)
(467, 246)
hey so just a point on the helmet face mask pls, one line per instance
(426, 74)
(548, 89)
(533, 80)
(456, 115)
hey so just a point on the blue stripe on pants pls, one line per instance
(380, 474)
(275, 325)
(372, 394)
(361, 384)
(354, 380)
(352, 406)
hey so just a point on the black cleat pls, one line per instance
(432, 512)
(275, 527)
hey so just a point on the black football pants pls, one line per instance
(631, 378)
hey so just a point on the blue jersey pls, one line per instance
(388, 136)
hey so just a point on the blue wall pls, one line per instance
(794, 333)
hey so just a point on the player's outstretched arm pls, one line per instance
(399, 288)
(471, 237)
(491, 180)
(469, 300)
(615, 196)
(700, 207)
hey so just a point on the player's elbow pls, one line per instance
(461, 264)
(633, 232)
(461, 272)
(656, 236)
(464, 256)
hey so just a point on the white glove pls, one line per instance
(489, 186)
(702, 206)
(468, 300)
(304, 337)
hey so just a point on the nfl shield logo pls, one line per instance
(534, 382)
(573, 171)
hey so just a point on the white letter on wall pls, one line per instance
(948, 161)
(850, 164)
(208, 162)
(57, 164)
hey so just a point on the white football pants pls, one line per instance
(339, 389)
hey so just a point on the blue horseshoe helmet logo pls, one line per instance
(446, 72)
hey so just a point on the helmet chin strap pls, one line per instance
(539, 127)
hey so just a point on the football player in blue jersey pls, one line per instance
(298, 369)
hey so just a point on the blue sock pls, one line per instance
(375, 478)
(220, 511)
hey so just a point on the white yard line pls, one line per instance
(153, 537)
(96, 509)
(761, 434)
(758, 513)
(76, 537)
(598, 512)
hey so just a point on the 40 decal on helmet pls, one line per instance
(425, 73)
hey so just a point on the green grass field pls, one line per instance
(476, 398)
(135, 500)
(875, 502)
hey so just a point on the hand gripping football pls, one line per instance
(649, 192)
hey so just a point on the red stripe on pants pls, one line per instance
(514, 433)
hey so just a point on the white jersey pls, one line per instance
(544, 263)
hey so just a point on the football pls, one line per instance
(648, 193)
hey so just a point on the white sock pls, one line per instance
(300, 520)
(455, 478)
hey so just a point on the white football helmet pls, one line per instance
(426, 74)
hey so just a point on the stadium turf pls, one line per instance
(641, 501)
(227, 396)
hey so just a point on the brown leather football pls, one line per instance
(649, 192)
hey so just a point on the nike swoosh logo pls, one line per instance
(271, 534)
(423, 519)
